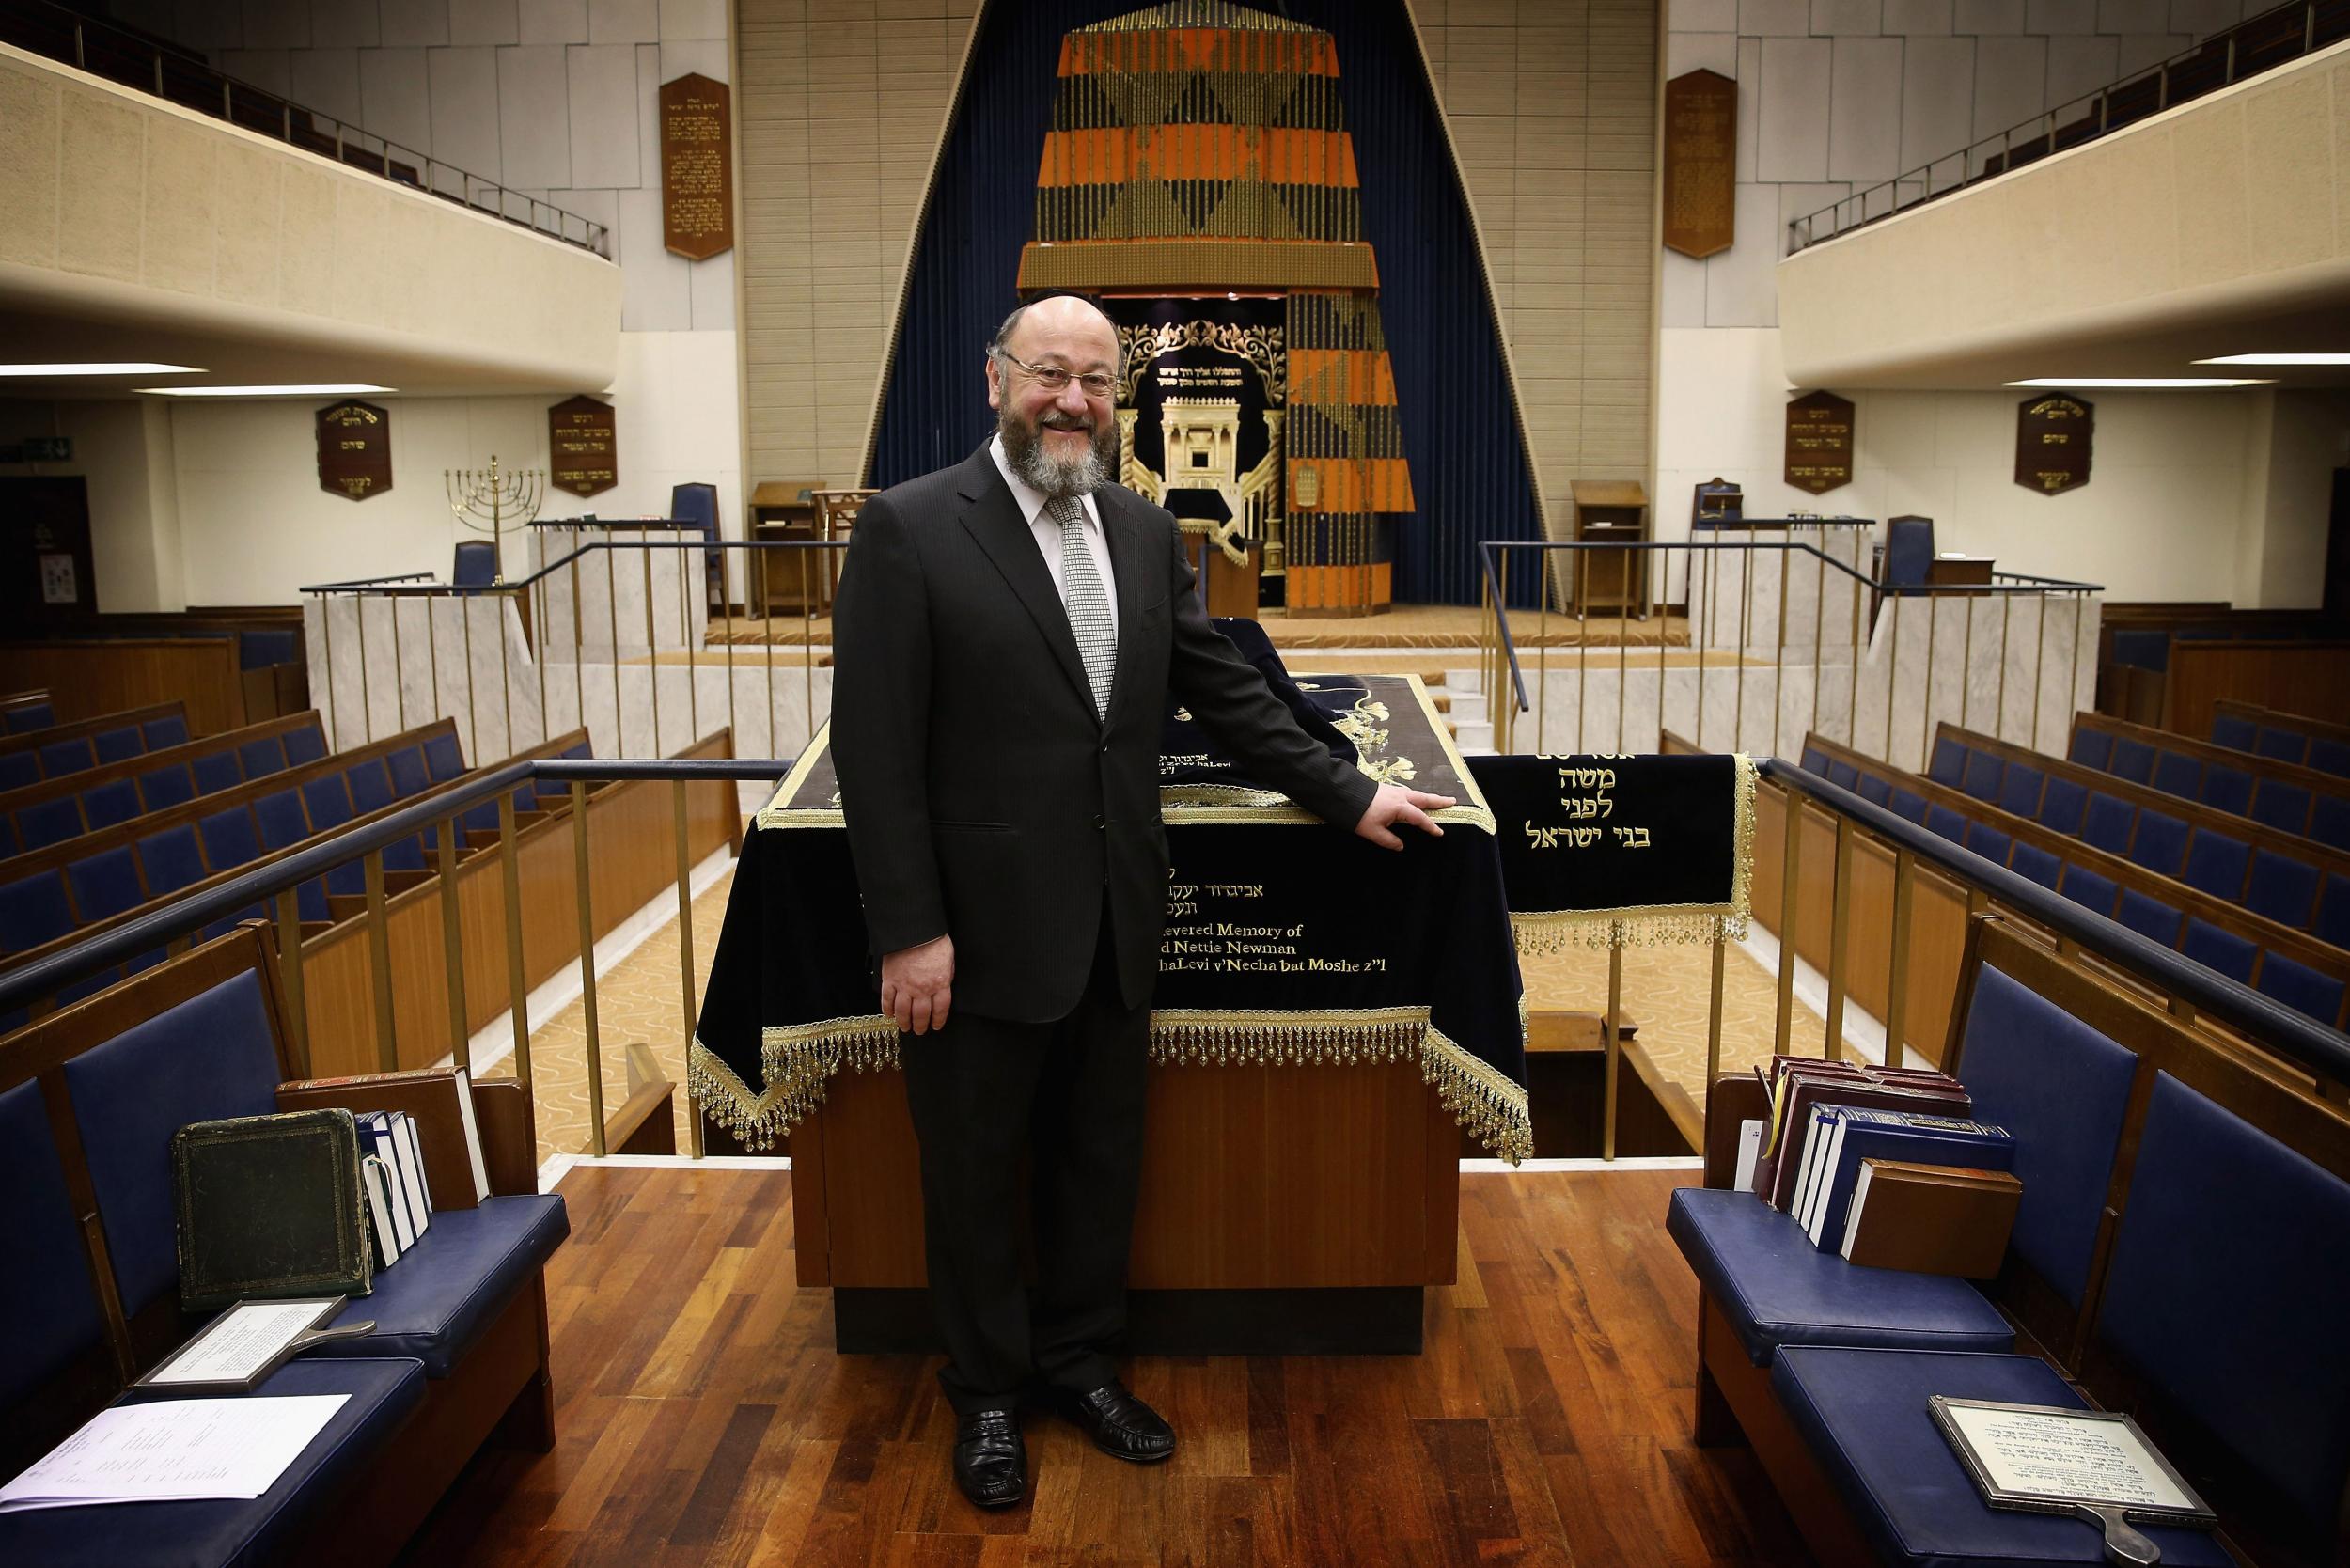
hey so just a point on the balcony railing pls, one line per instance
(180, 76)
(2259, 43)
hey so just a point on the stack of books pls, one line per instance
(1884, 1166)
(402, 1164)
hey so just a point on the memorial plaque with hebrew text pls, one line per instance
(696, 167)
(1701, 162)
(355, 449)
(2052, 439)
(582, 447)
(1819, 442)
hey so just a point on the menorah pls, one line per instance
(484, 499)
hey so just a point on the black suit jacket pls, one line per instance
(985, 800)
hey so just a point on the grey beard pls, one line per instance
(1053, 478)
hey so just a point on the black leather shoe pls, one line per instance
(991, 1461)
(1120, 1424)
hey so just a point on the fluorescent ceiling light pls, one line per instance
(315, 389)
(2279, 359)
(2141, 382)
(127, 368)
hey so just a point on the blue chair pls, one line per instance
(328, 800)
(2179, 775)
(1942, 820)
(474, 566)
(2333, 916)
(50, 821)
(34, 909)
(170, 786)
(1910, 805)
(2301, 988)
(2327, 755)
(2092, 749)
(18, 769)
(697, 502)
(409, 774)
(171, 860)
(1908, 551)
(1875, 791)
(2217, 864)
(115, 800)
(281, 819)
(2222, 952)
(2281, 804)
(2019, 789)
(1950, 762)
(1981, 776)
(2061, 805)
(229, 839)
(33, 715)
(262, 757)
(217, 771)
(2132, 760)
(112, 746)
(2150, 918)
(59, 757)
(304, 745)
(2284, 746)
(2031, 860)
(370, 786)
(2108, 823)
(170, 731)
(2236, 735)
(106, 883)
(1989, 842)
(2160, 844)
(2329, 821)
(1815, 761)
(1843, 774)
(2092, 891)
(2281, 888)
(2228, 789)
(441, 758)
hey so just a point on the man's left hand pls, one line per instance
(1395, 805)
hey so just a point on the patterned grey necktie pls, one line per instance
(1087, 604)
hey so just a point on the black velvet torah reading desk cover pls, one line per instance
(1287, 941)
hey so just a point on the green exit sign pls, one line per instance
(47, 449)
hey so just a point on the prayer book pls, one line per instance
(1930, 1218)
(440, 1099)
(268, 1207)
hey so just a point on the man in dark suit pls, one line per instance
(1007, 633)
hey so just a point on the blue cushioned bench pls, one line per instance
(2182, 1209)
(58, 749)
(90, 1098)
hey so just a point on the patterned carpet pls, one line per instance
(1665, 993)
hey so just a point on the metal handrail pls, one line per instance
(390, 584)
(46, 977)
(472, 191)
(2274, 1026)
(1804, 231)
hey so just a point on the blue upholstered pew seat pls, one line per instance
(1863, 1413)
(465, 1269)
(382, 1394)
(1778, 1288)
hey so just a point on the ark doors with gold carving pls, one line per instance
(1200, 395)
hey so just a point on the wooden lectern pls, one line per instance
(1610, 511)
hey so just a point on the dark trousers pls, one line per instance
(1071, 1091)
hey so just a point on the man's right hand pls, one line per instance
(917, 985)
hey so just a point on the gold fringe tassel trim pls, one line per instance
(800, 1060)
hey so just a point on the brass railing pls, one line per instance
(1829, 617)
(552, 617)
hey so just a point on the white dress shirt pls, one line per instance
(1048, 531)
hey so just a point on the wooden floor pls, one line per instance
(704, 1418)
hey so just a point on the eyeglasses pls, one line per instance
(1054, 378)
